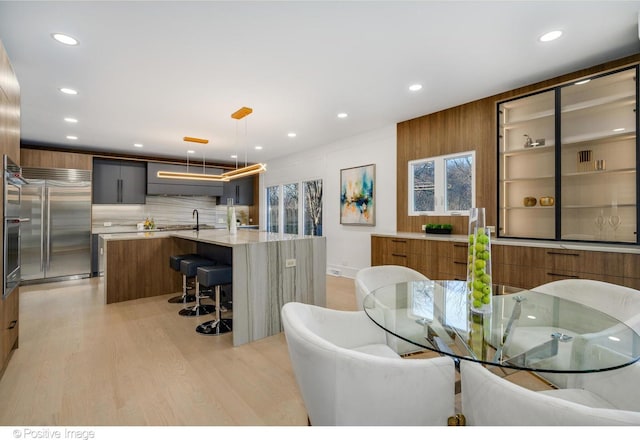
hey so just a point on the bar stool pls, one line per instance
(174, 263)
(215, 276)
(189, 268)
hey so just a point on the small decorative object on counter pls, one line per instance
(231, 217)
(479, 282)
(149, 223)
(547, 201)
(530, 201)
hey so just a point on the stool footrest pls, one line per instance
(215, 327)
(202, 309)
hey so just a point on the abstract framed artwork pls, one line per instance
(357, 195)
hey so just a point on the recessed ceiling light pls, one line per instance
(234, 156)
(618, 129)
(415, 87)
(68, 91)
(550, 36)
(342, 115)
(584, 81)
(138, 145)
(72, 138)
(258, 147)
(71, 120)
(291, 135)
(65, 39)
(190, 152)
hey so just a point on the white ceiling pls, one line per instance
(154, 72)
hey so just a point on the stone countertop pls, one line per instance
(244, 236)
(214, 236)
(571, 245)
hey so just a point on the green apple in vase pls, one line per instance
(478, 269)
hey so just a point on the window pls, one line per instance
(284, 210)
(290, 203)
(273, 208)
(312, 214)
(442, 185)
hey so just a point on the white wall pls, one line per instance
(348, 247)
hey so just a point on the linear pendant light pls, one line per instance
(248, 170)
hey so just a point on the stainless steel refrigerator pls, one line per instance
(56, 244)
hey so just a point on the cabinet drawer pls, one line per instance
(398, 246)
(561, 275)
(603, 263)
(523, 256)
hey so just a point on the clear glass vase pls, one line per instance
(479, 281)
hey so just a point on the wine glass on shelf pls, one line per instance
(600, 222)
(614, 221)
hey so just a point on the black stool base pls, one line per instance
(181, 299)
(202, 309)
(215, 327)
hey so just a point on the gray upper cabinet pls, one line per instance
(177, 187)
(240, 190)
(119, 181)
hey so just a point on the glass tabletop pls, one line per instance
(525, 330)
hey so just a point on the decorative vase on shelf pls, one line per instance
(479, 281)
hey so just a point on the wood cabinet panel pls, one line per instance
(631, 266)
(36, 158)
(152, 252)
(10, 324)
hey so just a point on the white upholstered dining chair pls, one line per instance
(490, 400)
(347, 375)
(622, 303)
(369, 279)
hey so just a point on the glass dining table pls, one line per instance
(525, 330)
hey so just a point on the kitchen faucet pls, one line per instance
(195, 213)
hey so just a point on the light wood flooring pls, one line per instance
(84, 363)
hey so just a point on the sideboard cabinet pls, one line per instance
(514, 265)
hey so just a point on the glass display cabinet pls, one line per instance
(568, 159)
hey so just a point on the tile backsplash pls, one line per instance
(166, 210)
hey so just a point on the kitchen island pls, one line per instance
(269, 270)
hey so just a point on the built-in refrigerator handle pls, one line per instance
(42, 205)
(48, 231)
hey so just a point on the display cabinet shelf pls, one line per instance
(599, 206)
(606, 102)
(592, 137)
(517, 123)
(598, 172)
(548, 148)
(528, 179)
(537, 207)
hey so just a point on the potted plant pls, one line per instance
(436, 228)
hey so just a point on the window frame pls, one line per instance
(301, 205)
(439, 189)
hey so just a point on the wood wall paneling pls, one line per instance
(470, 126)
(56, 159)
(9, 145)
